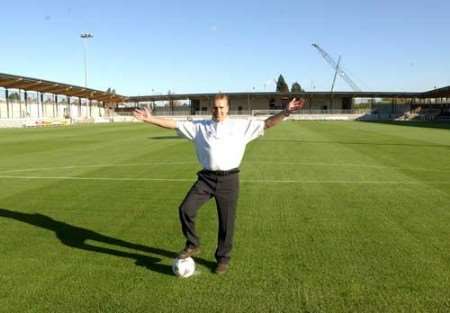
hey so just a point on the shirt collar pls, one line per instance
(221, 122)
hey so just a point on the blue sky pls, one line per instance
(145, 47)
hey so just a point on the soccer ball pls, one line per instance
(183, 267)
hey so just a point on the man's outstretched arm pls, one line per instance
(294, 105)
(146, 116)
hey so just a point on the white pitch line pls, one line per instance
(293, 163)
(258, 181)
(100, 178)
(32, 169)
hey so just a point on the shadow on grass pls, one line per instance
(424, 124)
(77, 237)
(164, 137)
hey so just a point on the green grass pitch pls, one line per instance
(332, 217)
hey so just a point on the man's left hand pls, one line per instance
(295, 104)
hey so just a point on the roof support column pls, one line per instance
(68, 108)
(42, 105)
(54, 105)
(79, 107)
(20, 103)
(7, 102)
(26, 103)
(90, 108)
(36, 106)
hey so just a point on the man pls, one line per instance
(220, 145)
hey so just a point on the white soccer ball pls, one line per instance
(183, 267)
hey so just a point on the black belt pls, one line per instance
(222, 173)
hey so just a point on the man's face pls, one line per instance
(220, 109)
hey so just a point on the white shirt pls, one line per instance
(220, 146)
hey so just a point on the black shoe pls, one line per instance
(188, 252)
(221, 268)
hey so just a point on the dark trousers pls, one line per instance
(225, 190)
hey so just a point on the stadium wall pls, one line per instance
(36, 110)
(249, 103)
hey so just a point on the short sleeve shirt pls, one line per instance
(220, 145)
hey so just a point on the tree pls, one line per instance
(296, 88)
(111, 91)
(281, 84)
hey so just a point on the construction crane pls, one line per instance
(335, 73)
(338, 70)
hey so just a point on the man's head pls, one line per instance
(220, 107)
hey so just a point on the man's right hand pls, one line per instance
(145, 115)
(142, 115)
